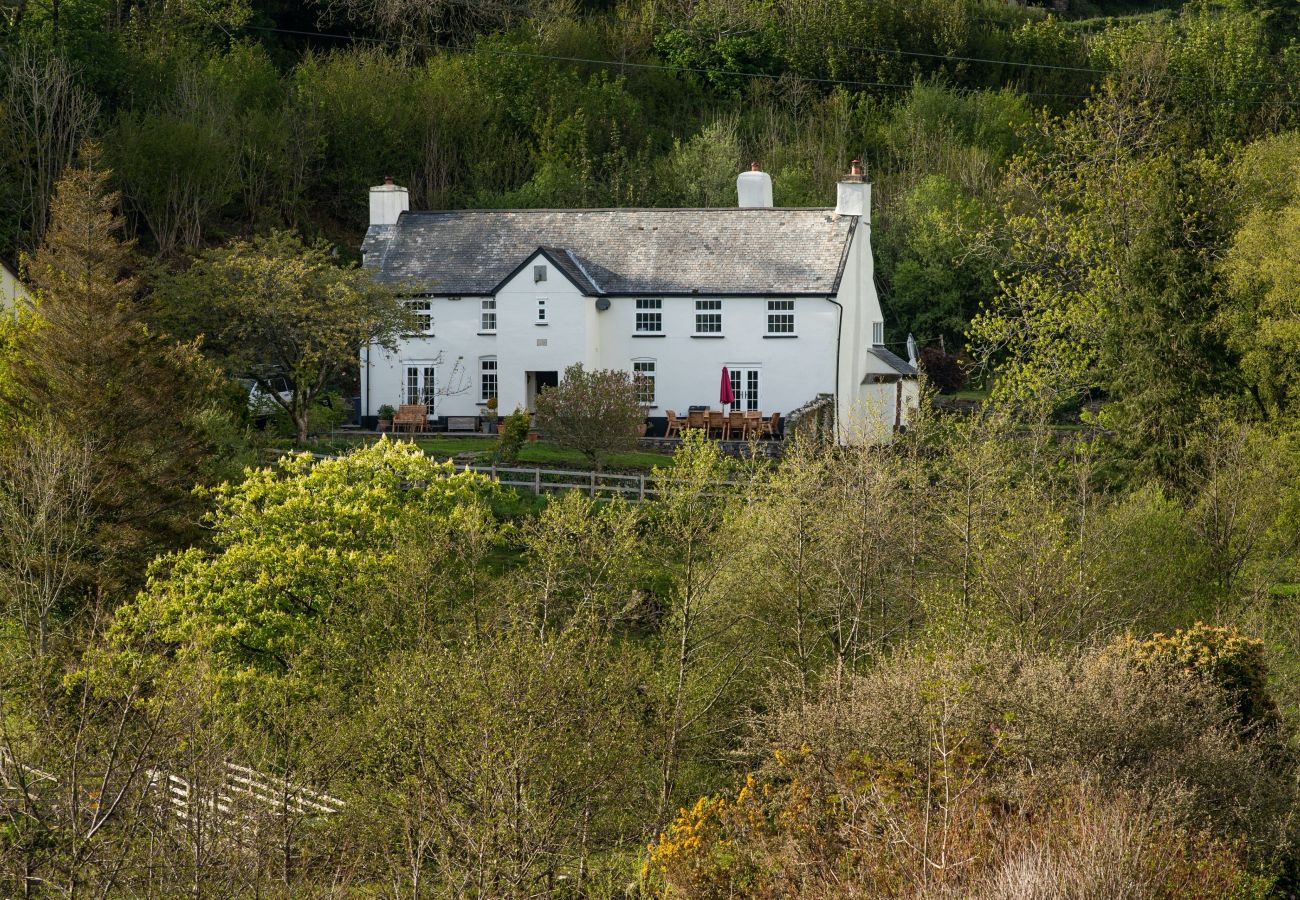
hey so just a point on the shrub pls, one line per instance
(594, 412)
(820, 825)
(942, 369)
(514, 431)
(1093, 716)
(1224, 657)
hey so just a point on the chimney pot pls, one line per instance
(753, 167)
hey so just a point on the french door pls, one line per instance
(421, 386)
(744, 389)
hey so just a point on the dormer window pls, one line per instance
(539, 273)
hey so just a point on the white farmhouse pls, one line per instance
(784, 299)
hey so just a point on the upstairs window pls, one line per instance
(539, 273)
(780, 317)
(423, 309)
(541, 310)
(487, 378)
(487, 315)
(649, 316)
(643, 372)
(878, 333)
(708, 317)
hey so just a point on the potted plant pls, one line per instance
(386, 413)
(490, 416)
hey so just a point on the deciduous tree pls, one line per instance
(278, 305)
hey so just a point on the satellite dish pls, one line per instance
(602, 303)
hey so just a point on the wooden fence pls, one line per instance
(242, 788)
(633, 488)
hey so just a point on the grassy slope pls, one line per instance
(539, 453)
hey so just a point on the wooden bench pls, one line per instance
(413, 416)
(462, 423)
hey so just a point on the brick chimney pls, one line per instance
(387, 202)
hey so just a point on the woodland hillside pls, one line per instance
(1047, 648)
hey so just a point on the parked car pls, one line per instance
(261, 403)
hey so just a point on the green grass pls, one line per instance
(537, 453)
(968, 395)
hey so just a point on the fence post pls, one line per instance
(641, 493)
(494, 472)
(593, 484)
(537, 482)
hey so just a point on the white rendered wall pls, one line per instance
(458, 346)
(11, 290)
(859, 404)
(688, 370)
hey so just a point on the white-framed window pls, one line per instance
(541, 310)
(780, 317)
(744, 388)
(539, 273)
(421, 385)
(487, 379)
(878, 333)
(649, 315)
(708, 317)
(487, 315)
(423, 309)
(643, 370)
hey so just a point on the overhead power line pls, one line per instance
(700, 70)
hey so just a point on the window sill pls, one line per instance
(648, 334)
(778, 337)
(708, 336)
(541, 324)
(487, 334)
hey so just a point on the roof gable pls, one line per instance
(729, 252)
(564, 262)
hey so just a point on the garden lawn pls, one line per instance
(536, 453)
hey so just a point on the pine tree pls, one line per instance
(87, 360)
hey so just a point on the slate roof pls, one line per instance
(891, 360)
(728, 251)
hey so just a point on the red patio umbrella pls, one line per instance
(725, 395)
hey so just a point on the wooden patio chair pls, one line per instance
(674, 425)
(412, 416)
(696, 418)
(718, 423)
(753, 424)
(736, 425)
(772, 425)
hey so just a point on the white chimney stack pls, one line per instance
(387, 202)
(754, 188)
(853, 194)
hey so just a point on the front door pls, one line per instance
(536, 383)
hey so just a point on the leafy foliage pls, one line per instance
(596, 412)
(278, 306)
